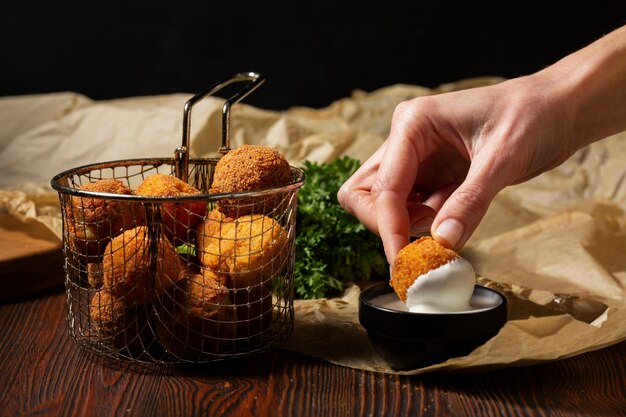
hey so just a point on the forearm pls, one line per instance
(591, 85)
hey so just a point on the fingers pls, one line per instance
(423, 214)
(393, 223)
(462, 162)
(461, 213)
(378, 193)
(394, 181)
(439, 197)
(355, 194)
(421, 217)
(370, 196)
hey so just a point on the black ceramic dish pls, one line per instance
(408, 340)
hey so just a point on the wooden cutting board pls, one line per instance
(31, 258)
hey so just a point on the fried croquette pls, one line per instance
(118, 324)
(131, 274)
(249, 168)
(94, 274)
(416, 259)
(179, 219)
(197, 318)
(246, 251)
(92, 222)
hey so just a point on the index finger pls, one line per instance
(394, 181)
(355, 193)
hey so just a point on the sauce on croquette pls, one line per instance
(444, 289)
(429, 278)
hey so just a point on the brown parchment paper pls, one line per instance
(555, 246)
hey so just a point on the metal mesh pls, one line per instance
(173, 279)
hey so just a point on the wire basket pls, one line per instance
(171, 279)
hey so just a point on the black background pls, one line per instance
(313, 52)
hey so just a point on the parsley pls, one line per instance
(332, 246)
(186, 249)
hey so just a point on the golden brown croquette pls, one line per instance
(197, 318)
(127, 268)
(118, 324)
(248, 250)
(92, 222)
(179, 219)
(416, 259)
(250, 167)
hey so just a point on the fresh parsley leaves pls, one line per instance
(332, 246)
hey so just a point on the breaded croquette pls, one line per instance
(94, 274)
(197, 318)
(430, 278)
(416, 259)
(128, 271)
(248, 168)
(118, 324)
(92, 222)
(179, 219)
(246, 251)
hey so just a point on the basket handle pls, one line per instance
(181, 156)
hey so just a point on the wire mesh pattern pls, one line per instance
(172, 278)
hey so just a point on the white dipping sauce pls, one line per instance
(445, 289)
(389, 300)
(478, 301)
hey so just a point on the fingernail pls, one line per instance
(421, 226)
(451, 230)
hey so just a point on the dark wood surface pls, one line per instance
(45, 374)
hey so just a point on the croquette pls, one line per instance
(92, 222)
(179, 219)
(249, 168)
(131, 274)
(118, 324)
(245, 251)
(94, 274)
(416, 259)
(197, 318)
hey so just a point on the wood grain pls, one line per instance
(44, 373)
(30, 258)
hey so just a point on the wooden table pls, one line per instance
(44, 373)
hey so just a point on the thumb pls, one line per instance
(462, 212)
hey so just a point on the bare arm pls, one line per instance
(448, 155)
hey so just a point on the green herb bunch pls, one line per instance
(332, 246)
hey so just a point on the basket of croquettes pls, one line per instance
(181, 259)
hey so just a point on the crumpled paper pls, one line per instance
(555, 245)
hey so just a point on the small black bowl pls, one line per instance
(408, 340)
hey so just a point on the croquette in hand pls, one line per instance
(416, 259)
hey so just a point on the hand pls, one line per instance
(448, 155)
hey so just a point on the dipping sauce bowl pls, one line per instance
(408, 340)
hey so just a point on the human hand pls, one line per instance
(448, 155)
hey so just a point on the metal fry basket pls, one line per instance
(170, 278)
